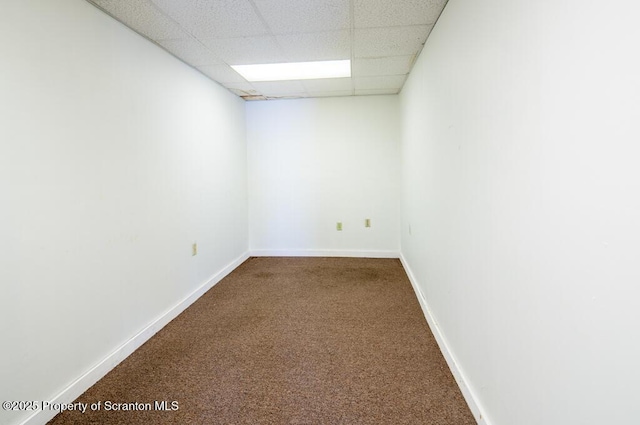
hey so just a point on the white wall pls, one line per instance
(316, 162)
(521, 185)
(114, 158)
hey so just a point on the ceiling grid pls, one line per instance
(381, 39)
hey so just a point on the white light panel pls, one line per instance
(295, 70)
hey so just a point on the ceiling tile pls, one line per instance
(244, 90)
(286, 16)
(215, 18)
(331, 93)
(243, 93)
(241, 89)
(332, 45)
(392, 65)
(328, 84)
(383, 82)
(396, 41)
(367, 92)
(280, 88)
(142, 16)
(222, 74)
(246, 50)
(384, 13)
(191, 51)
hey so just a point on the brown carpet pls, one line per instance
(290, 341)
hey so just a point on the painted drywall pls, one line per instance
(114, 158)
(520, 204)
(316, 162)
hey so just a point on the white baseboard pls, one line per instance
(323, 253)
(80, 385)
(469, 396)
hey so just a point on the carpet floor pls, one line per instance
(288, 341)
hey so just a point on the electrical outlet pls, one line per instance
(194, 249)
(339, 226)
(367, 222)
(409, 230)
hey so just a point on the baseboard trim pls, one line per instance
(322, 253)
(469, 396)
(80, 385)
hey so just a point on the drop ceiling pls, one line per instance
(382, 38)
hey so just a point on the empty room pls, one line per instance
(319, 212)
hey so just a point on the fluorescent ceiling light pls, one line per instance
(295, 70)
